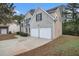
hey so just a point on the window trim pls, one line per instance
(39, 17)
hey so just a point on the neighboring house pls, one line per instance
(14, 27)
(25, 26)
(3, 29)
(46, 24)
(43, 24)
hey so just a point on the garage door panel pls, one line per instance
(42, 33)
(45, 33)
(3, 31)
(34, 32)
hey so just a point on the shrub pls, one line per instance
(70, 29)
(23, 34)
(10, 32)
(18, 33)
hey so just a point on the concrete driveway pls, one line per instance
(20, 45)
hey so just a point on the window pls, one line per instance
(29, 30)
(39, 17)
(22, 24)
(27, 20)
(26, 30)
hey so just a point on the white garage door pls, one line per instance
(45, 33)
(3, 31)
(34, 32)
(42, 33)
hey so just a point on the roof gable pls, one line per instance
(44, 12)
(27, 15)
(32, 11)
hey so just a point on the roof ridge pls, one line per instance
(52, 9)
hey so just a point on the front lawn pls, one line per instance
(65, 45)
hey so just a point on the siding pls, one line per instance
(23, 29)
(45, 23)
(58, 24)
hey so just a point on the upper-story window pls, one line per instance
(39, 17)
(27, 20)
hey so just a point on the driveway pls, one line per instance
(20, 45)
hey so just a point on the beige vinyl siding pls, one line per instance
(58, 24)
(45, 23)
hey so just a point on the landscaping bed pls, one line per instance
(66, 45)
(7, 37)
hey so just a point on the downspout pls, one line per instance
(38, 31)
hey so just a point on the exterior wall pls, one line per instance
(13, 28)
(58, 24)
(48, 22)
(23, 29)
(45, 23)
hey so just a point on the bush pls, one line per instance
(23, 34)
(18, 33)
(70, 29)
(10, 32)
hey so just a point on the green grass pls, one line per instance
(69, 47)
(69, 44)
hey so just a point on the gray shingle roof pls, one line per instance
(53, 9)
(32, 11)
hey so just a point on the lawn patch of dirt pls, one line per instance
(7, 37)
(66, 45)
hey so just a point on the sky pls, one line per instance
(23, 8)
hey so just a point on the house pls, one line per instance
(25, 26)
(46, 24)
(43, 23)
(3, 29)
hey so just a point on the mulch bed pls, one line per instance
(7, 37)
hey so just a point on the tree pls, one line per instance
(71, 8)
(6, 12)
(18, 18)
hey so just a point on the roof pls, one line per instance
(32, 11)
(48, 12)
(3, 25)
(52, 10)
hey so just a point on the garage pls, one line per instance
(46, 24)
(3, 29)
(41, 33)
